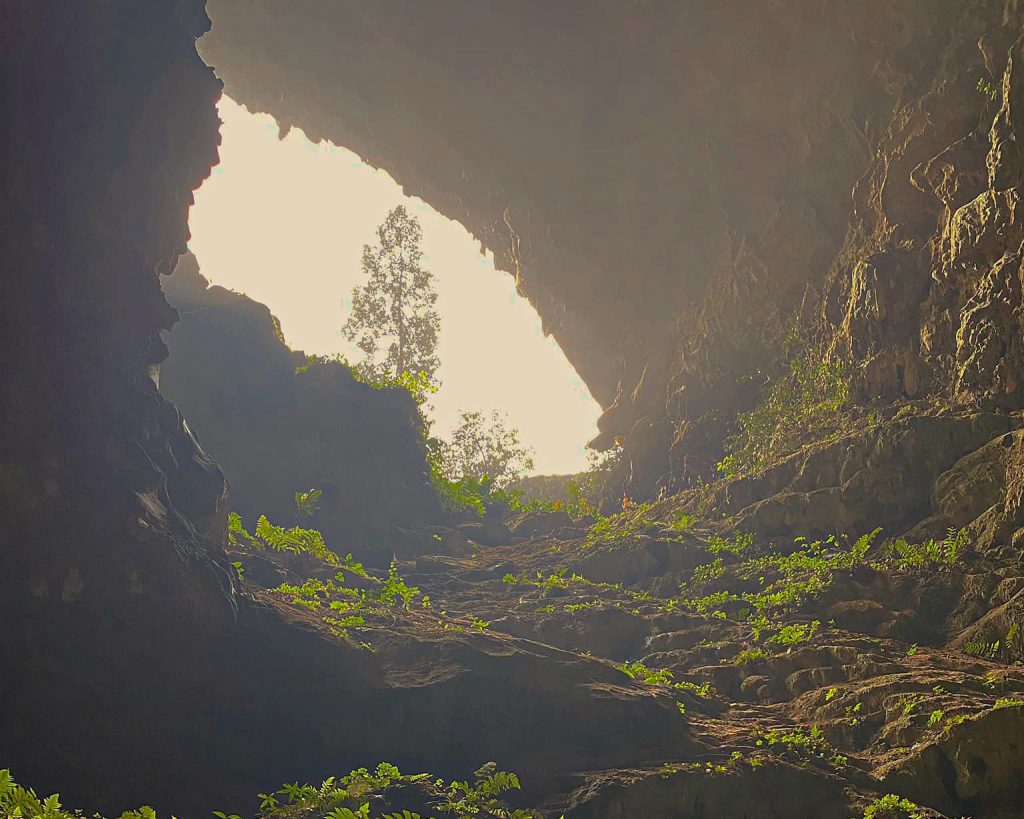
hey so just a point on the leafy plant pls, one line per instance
(268, 536)
(798, 744)
(24, 803)
(749, 655)
(362, 794)
(633, 522)
(795, 633)
(980, 648)
(394, 588)
(944, 553)
(809, 396)
(985, 89)
(892, 806)
(486, 449)
(910, 702)
(307, 503)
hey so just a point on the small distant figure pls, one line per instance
(627, 503)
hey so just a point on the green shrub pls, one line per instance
(892, 806)
(347, 797)
(23, 803)
(799, 745)
(269, 536)
(944, 553)
(807, 398)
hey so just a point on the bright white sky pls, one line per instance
(285, 221)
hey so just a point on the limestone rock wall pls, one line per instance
(670, 182)
(139, 669)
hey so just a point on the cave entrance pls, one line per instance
(284, 221)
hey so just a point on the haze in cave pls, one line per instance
(284, 221)
(781, 245)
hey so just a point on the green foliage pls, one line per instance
(17, 802)
(980, 648)
(910, 702)
(393, 320)
(483, 797)
(892, 806)
(763, 588)
(985, 89)
(641, 673)
(944, 553)
(749, 655)
(795, 633)
(268, 536)
(307, 503)
(349, 608)
(563, 580)
(707, 572)
(635, 521)
(463, 494)
(739, 545)
(395, 589)
(809, 397)
(787, 581)
(578, 495)
(362, 794)
(485, 449)
(799, 745)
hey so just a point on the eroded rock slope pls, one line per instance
(670, 182)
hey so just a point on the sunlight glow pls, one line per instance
(284, 221)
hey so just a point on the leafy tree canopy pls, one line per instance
(393, 318)
(484, 447)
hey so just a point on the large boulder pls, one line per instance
(278, 423)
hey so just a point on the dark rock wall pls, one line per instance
(275, 431)
(106, 501)
(670, 181)
(136, 670)
(666, 179)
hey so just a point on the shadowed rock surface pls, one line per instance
(670, 182)
(278, 424)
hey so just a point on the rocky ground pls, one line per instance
(779, 676)
(685, 203)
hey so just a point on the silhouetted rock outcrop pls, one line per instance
(278, 424)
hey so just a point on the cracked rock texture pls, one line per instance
(649, 171)
(671, 184)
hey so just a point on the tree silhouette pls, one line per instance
(485, 447)
(394, 310)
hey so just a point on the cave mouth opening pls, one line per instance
(284, 220)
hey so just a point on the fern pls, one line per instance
(307, 503)
(295, 540)
(980, 648)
